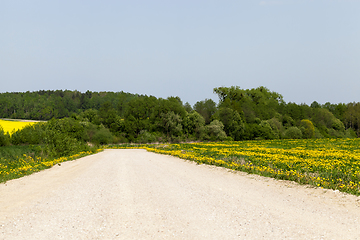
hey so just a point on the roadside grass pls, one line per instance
(326, 163)
(18, 161)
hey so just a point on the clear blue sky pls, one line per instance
(306, 50)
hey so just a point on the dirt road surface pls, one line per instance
(134, 194)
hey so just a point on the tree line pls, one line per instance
(114, 117)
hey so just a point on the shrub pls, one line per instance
(4, 138)
(338, 125)
(103, 136)
(59, 144)
(317, 134)
(64, 137)
(266, 131)
(172, 123)
(194, 124)
(233, 124)
(215, 131)
(293, 133)
(350, 133)
(30, 134)
(336, 134)
(307, 128)
(276, 126)
(146, 137)
(121, 138)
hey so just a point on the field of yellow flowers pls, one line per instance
(327, 163)
(11, 126)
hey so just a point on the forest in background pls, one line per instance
(120, 117)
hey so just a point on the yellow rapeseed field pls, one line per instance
(11, 126)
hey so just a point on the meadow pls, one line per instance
(327, 163)
(16, 162)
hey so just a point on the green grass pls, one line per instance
(326, 163)
(11, 153)
(19, 161)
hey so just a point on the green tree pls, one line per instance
(293, 133)
(194, 124)
(4, 137)
(172, 124)
(206, 109)
(276, 127)
(265, 130)
(91, 115)
(352, 117)
(188, 107)
(102, 136)
(307, 128)
(233, 124)
(108, 115)
(215, 131)
(30, 134)
(58, 139)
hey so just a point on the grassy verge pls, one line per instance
(18, 161)
(326, 163)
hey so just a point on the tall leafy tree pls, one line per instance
(206, 109)
(233, 124)
(194, 124)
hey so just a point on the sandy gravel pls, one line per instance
(134, 194)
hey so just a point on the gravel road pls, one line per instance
(134, 194)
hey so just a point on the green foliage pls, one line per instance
(322, 118)
(89, 131)
(4, 138)
(233, 124)
(171, 122)
(287, 121)
(317, 134)
(206, 109)
(59, 144)
(188, 107)
(297, 112)
(91, 115)
(194, 124)
(261, 130)
(293, 133)
(30, 134)
(315, 104)
(246, 114)
(215, 131)
(350, 133)
(102, 136)
(108, 115)
(58, 139)
(307, 128)
(338, 125)
(336, 134)
(266, 132)
(259, 102)
(15, 152)
(44, 105)
(327, 123)
(352, 117)
(276, 126)
(147, 137)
